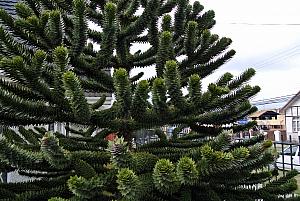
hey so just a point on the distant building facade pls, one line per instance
(268, 119)
(270, 122)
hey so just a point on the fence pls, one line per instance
(288, 159)
(289, 154)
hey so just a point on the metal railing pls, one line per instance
(288, 154)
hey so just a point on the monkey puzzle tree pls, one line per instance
(49, 63)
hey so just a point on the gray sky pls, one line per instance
(273, 50)
(266, 37)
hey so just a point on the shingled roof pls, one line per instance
(9, 6)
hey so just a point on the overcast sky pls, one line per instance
(266, 36)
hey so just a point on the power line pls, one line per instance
(281, 53)
(271, 102)
(275, 98)
(277, 60)
(278, 99)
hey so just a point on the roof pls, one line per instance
(9, 6)
(290, 103)
(261, 112)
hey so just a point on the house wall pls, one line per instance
(290, 113)
(292, 110)
(272, 124)
(270, 134)
(288, 125)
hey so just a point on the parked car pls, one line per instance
(289, 158)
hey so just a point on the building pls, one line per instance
(269, 121)
(291, 111)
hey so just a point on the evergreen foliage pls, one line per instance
(49, 60)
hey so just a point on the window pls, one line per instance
(296, 124)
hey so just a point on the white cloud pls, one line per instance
(269, 48)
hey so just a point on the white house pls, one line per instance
(291, 110)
